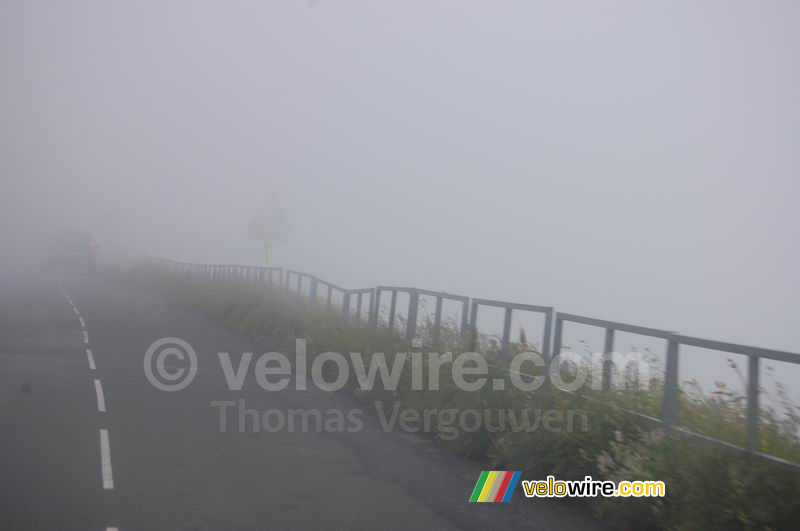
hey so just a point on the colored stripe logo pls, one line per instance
(495, 486)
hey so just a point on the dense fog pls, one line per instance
(622, 160)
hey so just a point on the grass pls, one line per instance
(707, 487)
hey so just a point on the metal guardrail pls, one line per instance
(297, 277)
(413, 309)
(669, 403)
(669, 413)
(509, 307)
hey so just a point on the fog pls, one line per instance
(626, 161)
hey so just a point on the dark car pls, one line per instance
(71, 250)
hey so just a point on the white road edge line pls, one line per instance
(112, 529)
(75, 309)
(86, 337)
(105, 460)
(83, 323)
(101, 399)
(91, 359)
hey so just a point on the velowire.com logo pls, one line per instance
(495, 486)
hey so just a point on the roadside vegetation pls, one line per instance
(707, 487)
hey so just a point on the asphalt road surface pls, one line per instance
(86, 442)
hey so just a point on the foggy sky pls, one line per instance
(634, 161)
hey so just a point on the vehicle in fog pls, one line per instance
(71, 250)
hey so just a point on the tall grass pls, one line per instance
(707, 487)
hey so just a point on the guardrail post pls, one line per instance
(411, 324)
(557, 336)
(548, 327)
(437, 322)
(376, 306)
(472, 340)
(669, 406)
(392, 309)
(465, 323)
(358, 306)
(346, 306)
(608, 348)
(313, 289)
(506, 338)
(752, 404)
(329, 297)
(371, 306)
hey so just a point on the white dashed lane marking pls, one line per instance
(101, 399)
(105, 445)
(105, 460)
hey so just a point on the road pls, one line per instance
(86, 442)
